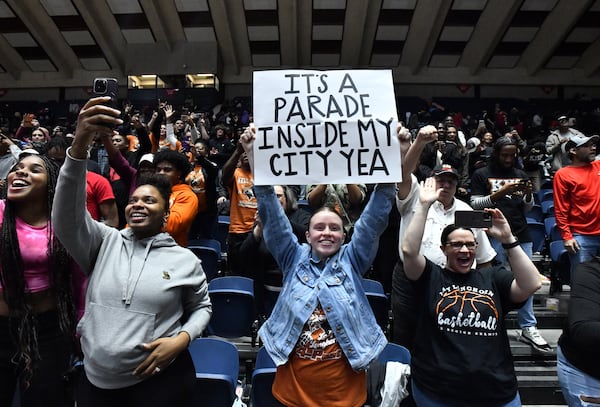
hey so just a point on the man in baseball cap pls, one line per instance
(445, 169)
(577, 200)
(555, 143)
(579, 141)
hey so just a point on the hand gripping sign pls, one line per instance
(316, 127)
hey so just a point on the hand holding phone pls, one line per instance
(107, 87)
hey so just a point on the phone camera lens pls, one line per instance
(100, 86)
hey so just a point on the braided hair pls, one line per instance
(23, 325)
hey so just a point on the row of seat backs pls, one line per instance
(234, 311)
(217, 369)
(547, 232)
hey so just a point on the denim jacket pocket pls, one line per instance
(306, 276)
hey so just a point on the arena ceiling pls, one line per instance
(67, 42)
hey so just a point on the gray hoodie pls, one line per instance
(138, 290)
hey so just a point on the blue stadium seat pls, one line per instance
(547, 208)
(217, 368)
(552, 231)
(262, 381)
(378, 301)
(394, 353)
(209, 252)
(232, 299)
(223, 231)
(538, 235)
(560, 268)
(545, 195)
(558, 253)
(535, 213)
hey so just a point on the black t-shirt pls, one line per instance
(487, 180)
(461, 352)
(579, 341)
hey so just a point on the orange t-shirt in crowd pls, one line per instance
(195, 179)
(317, 372)
(134, 143)
(243, 202)
(183, 207)
(158, 144)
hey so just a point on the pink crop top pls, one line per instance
(33, 242)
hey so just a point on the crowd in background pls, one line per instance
(200, 154)
(209, 140)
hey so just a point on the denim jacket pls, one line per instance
(337, 285)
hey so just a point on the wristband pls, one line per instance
(507, 246)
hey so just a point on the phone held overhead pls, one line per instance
(107, 87)
(473, 219)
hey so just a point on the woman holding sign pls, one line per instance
(322, 333)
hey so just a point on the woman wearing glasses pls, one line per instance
(461, 354)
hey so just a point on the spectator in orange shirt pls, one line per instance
(239, 180)
(183, 203)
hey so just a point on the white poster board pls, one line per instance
(325, 127)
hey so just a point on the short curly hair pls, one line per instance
(178, 160)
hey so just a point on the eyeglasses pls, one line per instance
(459, 245)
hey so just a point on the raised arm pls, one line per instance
(170, 131)
(315, 196)
(481, 201)
(527, 279)
(414, 262)
(121, 166)
(356, 195)
(73, 225)
(230, 166)
(141, 132)
(410, 160)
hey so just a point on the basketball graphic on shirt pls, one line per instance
(468, 311)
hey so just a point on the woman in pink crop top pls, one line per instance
(37, 309)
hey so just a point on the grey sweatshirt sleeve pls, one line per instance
(73, 225)
(196, 304)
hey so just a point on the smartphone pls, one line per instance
(473, 219)
(107, 87)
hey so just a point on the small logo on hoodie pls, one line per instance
(166, 275)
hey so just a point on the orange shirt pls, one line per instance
(158, 144)
(243, 202)
(317, 372)
(195, 179)
(183, 207)
(134, 143)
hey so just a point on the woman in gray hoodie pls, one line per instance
(147, 297)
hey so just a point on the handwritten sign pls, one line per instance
(325, 127)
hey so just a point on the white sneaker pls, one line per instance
(532, 337)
